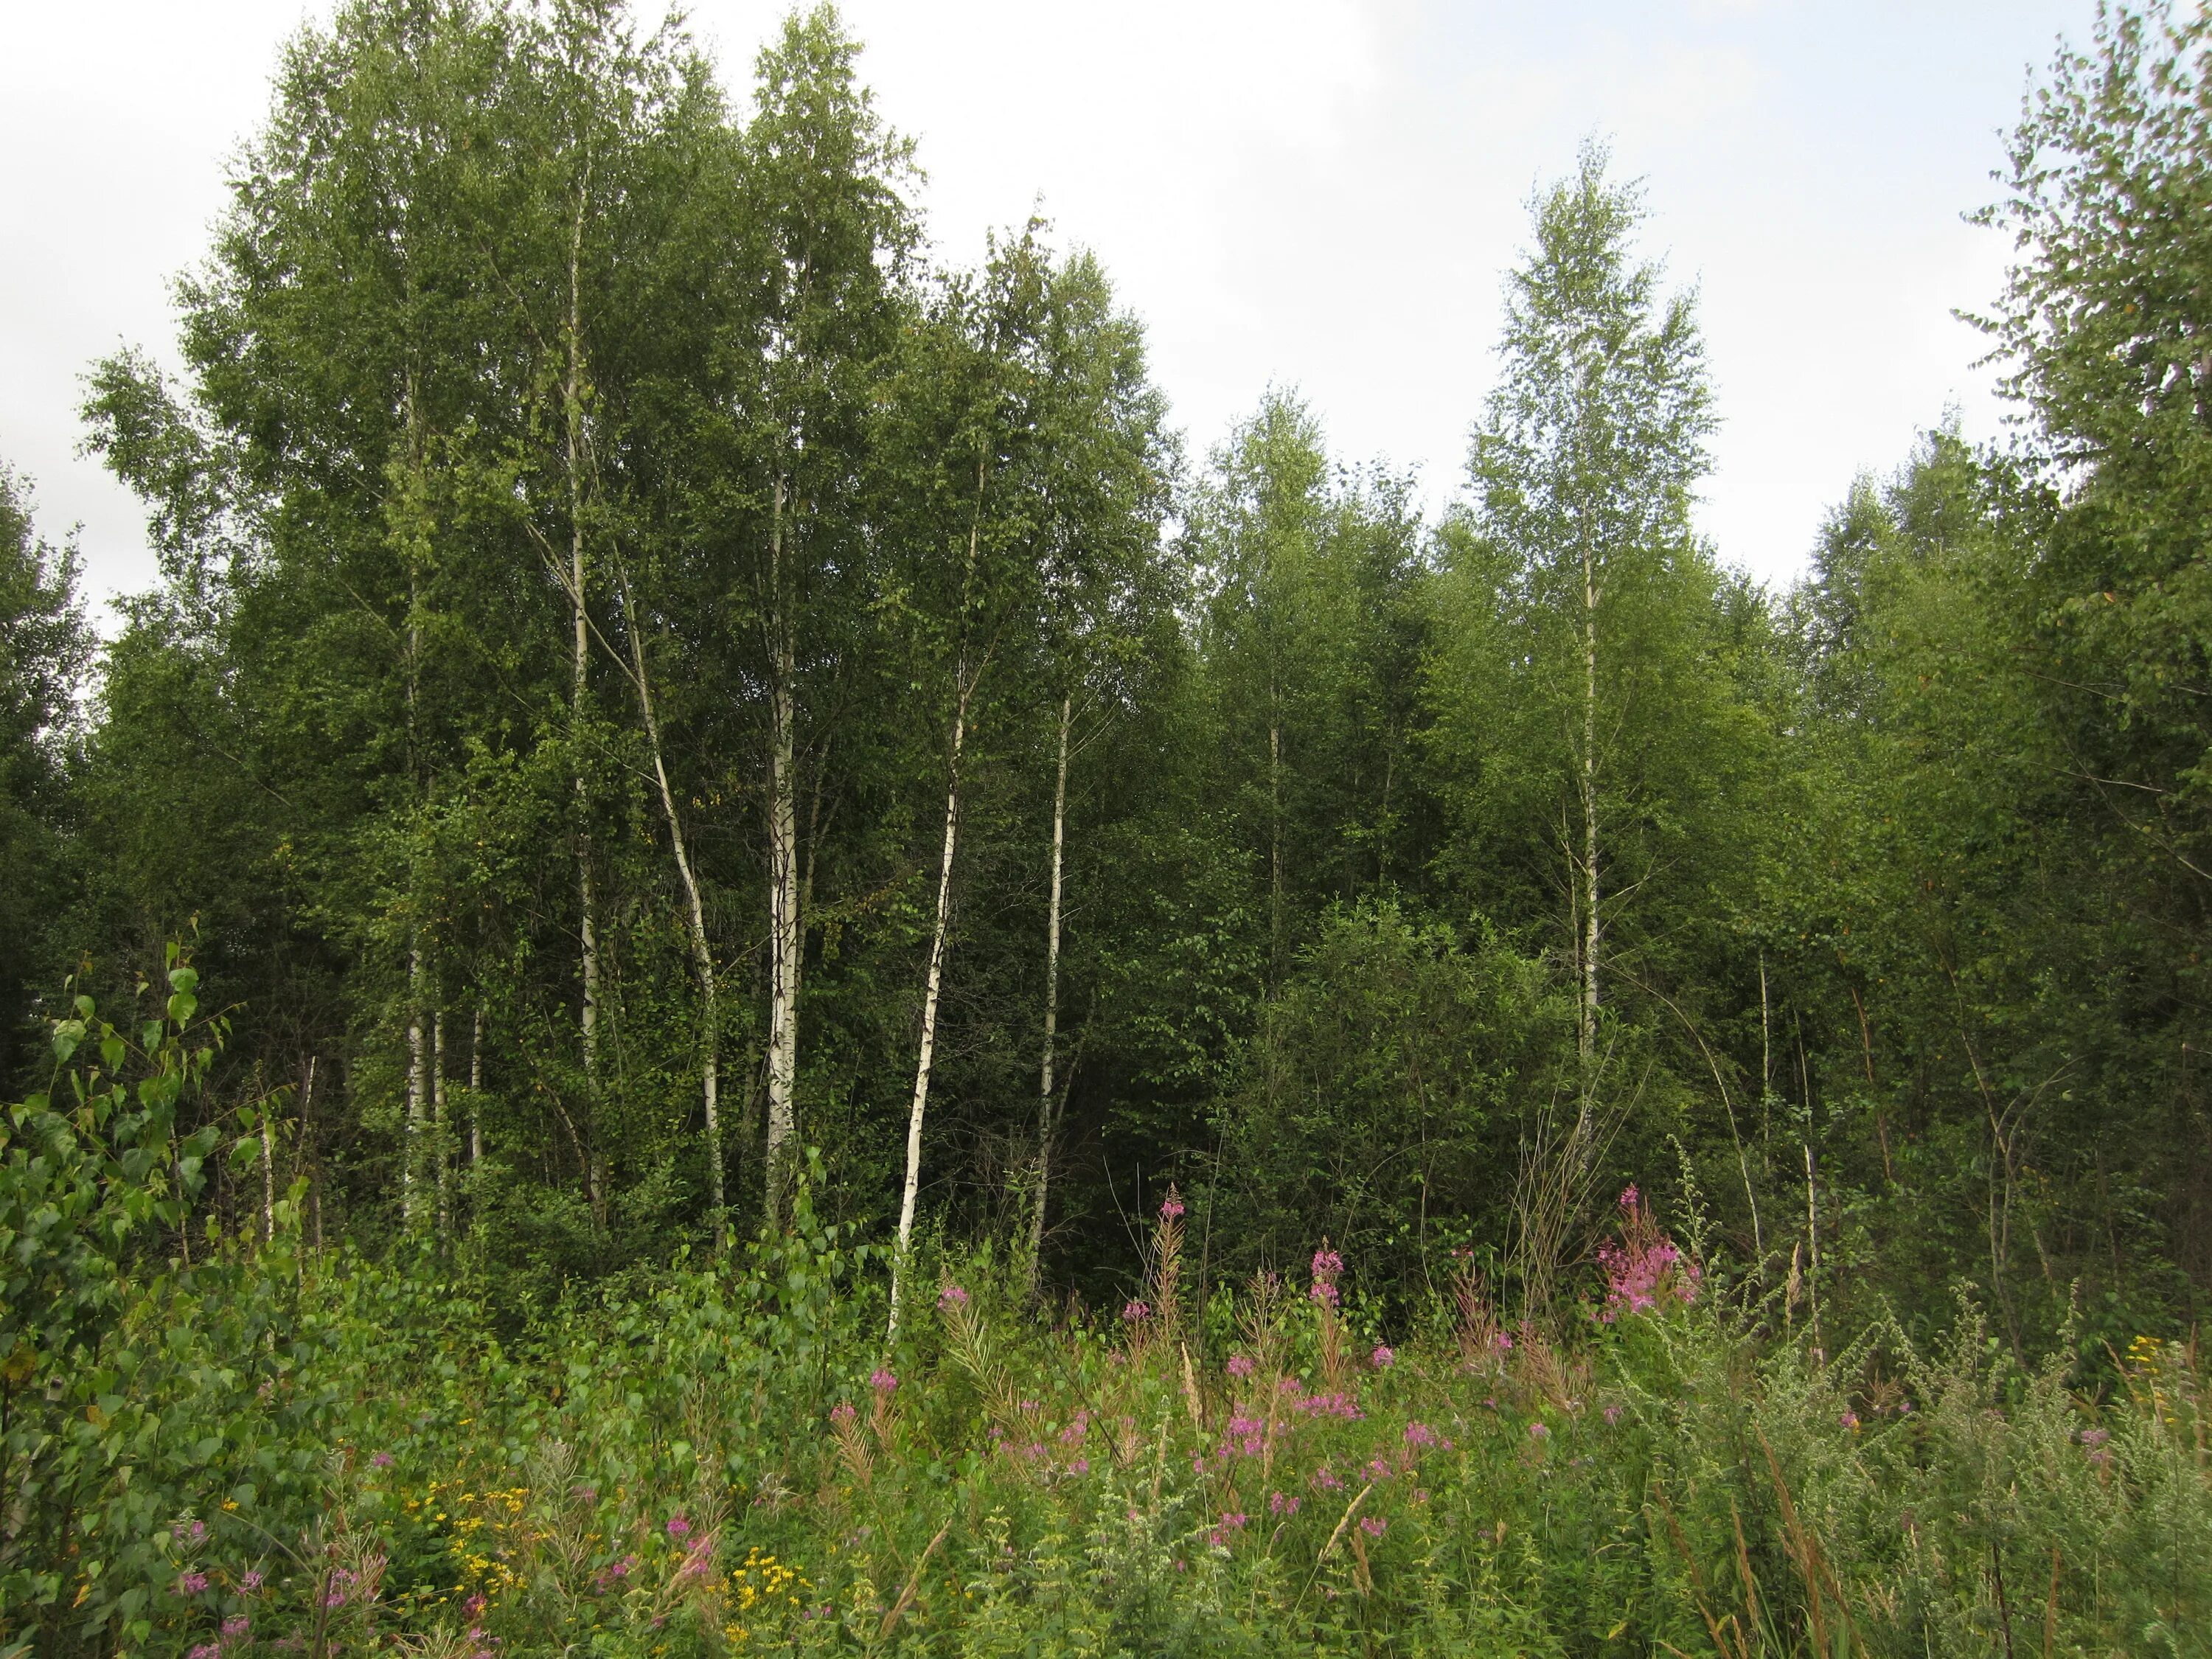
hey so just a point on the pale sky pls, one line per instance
(1317, 193)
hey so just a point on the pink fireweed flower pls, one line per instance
(1331, 1405)
(237, 1624)
(1538, 1432)
(842, 1413)
(251, 1582)
(1421, 1434)
(1326, 1265)
(1080, 1465)
(1283, 1503)
(1502, 1342)
(1849, 1420)
(1077, 1427)
(1612, 1414)
(698, 1560)
(191, 1584)
(381, 1461)
(1644, 1266)
(1326, 1479)
(1240, 1366)
(1373, 1526)
(1382, 1358)
(206, 1650)
(2093, 1439)
(883, 1381)
(1135, 1312)
(195, 1533)
(1171, 1208)
(951, 1296)
(1245, 1435)
(1629, 1197)
(680, 1528)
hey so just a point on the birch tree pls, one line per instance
(827, 235)
(1584, 469)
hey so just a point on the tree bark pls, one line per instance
(580, 665)
(1587, 1032)
(786, 937)
(931, 986)
(703, 954)
(267, 1174)
(418, 1090)
(1046, 1125)
(475, 1086)
(1275, 834)
(440, 1125)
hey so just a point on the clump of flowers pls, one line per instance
(1327, 1268)
(1382, 1359)
(953, 1296)
(1644, 1266)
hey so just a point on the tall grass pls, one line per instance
(736, 1463)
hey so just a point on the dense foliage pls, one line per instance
(671, 717)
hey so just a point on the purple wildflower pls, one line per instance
(1326, 1265)
(842, 1414)
(237, 1624)
(1240, 1365)
(1373, 1526)
(1171, 1209)
(191, 1584)
(678, 1526)
(1538, 1432)
(883, 1381)
(381, 1461)
(1136, 1312)
(951, 1296)
(251, 1582)
(1283, 1503)
(1421, 1434)
(1382, 1358)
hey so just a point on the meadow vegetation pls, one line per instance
(728, 964)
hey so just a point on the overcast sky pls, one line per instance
(1319, 193)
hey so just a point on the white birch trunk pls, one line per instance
(931, 986)
(785, 936)
(1046, 1125)
(439, 1121)
(703, 954)
(587, 898)
(475, 1087)
(419, 1092)
(268, 1175)
(1587, 1026)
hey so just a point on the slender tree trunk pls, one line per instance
(441, 1130)
(1275, 834)
(929, 999)
(1046, 1126)
(703, 954)
(787, 937)
(418, 1090)
(1588, 1030)
(303, 1149)
(267, 1174)
(475, 1086)
(580, 690)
